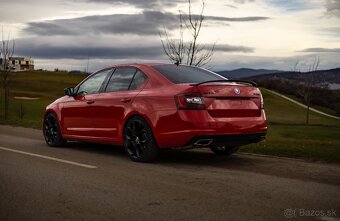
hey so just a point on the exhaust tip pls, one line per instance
(203, 142)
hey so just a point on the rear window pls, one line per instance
(186, 74)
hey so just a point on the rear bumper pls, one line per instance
(223, 140)
(184, 128)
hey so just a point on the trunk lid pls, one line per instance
(225, 100)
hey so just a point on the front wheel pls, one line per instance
(224, 150)
(138, 140)
(52, 132)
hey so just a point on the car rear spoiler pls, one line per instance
(234, 81)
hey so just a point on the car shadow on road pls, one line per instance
(202, 157)
(193, 157)
(196, 159)
(285, 168)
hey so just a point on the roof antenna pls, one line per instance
(177, 62)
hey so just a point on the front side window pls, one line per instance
(120, 79)
(94, 83)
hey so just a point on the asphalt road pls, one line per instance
(99, 182)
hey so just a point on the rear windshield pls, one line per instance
(186, 74)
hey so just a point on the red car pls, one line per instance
(147, 107)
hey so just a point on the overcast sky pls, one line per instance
(272, 34)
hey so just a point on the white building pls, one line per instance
(19, 63)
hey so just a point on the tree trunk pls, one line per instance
(6, 100)
(307, 116)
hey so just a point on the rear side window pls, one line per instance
(120, 79)
(186, 74)
(138, 80)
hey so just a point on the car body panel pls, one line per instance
(230, 109)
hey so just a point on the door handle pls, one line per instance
(125, 100)
(90, 102)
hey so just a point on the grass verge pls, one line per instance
(317, 143)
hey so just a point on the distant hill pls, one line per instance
(321, 77)
(246, 72)
(319, 88)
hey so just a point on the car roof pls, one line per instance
(138, 65)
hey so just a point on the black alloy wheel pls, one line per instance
(224, 150)
(138, 140)
(52, 132)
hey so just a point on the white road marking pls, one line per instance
(49, 158)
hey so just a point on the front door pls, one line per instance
(78, 112)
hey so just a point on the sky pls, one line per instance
(270, 34)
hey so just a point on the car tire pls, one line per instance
(139, 142)
(224, 150)
(52, 133)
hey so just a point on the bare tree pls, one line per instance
(306, 90)
(188, 52)
(6, 53)
(310, 83)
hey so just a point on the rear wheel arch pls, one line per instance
(129, 117)
(139, 140)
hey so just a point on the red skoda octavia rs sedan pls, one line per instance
(148, 107)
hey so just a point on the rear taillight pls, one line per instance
(261, 98)
(193, 101)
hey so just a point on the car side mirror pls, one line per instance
(69, 91)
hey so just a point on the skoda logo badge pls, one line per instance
(237, 90)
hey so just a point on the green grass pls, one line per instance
(282, 111)
(42, 83)
(313, 142)
(287, 134)
(26, 113)
(317, 107)
(47, 86)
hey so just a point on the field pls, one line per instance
(47, 86)
(287, 136)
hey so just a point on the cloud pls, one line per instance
(62, 52)
(287, 5)
(333, 7)
(236, 19)
(81, 48)
(230, 6)
(61, 47)
(145, 23)
(321, 50)
(141, 3)
(243, 1)
(232, 48)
